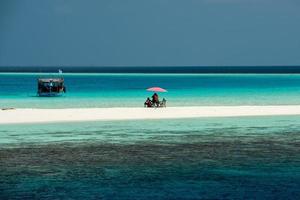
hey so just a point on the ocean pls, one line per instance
(129, 90)
(216, 158)
(202, 158)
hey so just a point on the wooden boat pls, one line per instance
(50, 87)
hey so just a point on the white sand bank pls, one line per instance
(98, 114)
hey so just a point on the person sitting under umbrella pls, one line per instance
(148, 103)
(163, 103)
(155, 99)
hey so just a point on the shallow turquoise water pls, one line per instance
(143, 131)
(114, 90)
(205, 158)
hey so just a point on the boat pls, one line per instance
(51, 87)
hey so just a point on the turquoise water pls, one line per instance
(119, 90)
(205, 158)
(216, 158)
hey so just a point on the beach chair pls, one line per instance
(163, 103)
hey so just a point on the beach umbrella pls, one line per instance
(156, 89)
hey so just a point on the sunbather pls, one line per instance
(164, 102)
(155, 99)
(148, 103)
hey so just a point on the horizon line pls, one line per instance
(163, 69)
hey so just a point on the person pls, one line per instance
(148, 103)
(155, 99)
(164, 102)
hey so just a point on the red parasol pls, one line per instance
(156, 89)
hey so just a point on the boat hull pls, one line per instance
(52, 94)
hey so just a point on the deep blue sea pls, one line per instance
(204, 158)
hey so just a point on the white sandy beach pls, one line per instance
(107, 114)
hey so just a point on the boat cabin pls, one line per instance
(51, 86)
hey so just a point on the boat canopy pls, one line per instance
(48, 80)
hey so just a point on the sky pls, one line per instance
(149, 32)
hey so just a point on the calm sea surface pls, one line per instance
(119, 90)
(220, 158)
(205, 158)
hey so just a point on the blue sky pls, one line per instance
(149, 32)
